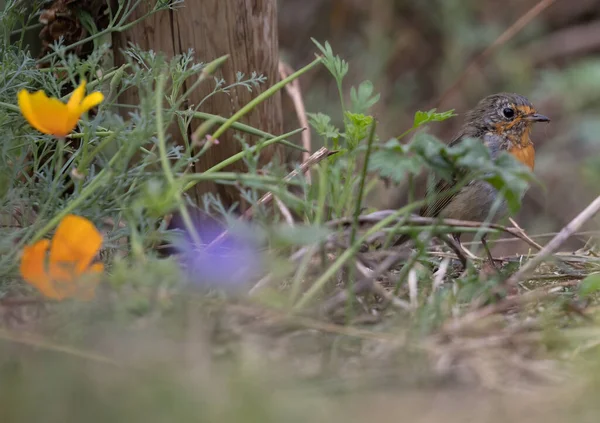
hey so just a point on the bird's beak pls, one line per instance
(536, 117)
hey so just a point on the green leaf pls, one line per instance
(468, 159)
(512, 178)
(471, 153)
(509, 163)
(363, 98)
(394, 166)
(590, 285)
(394, 144)
(433, 153)
(337, 66)
(357, 128)
(422, 118)
(322, 124)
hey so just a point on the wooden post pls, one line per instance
(244, 29)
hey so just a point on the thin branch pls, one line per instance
(424, 221)
(319, 155)
(295, 93)
(369, 283)
(550, 248)
(287, 215)
(506, 304)
(531, 241)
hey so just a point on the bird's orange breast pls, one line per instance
(525, 155)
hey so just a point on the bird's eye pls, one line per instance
(508, 112)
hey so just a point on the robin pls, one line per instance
(502, 122)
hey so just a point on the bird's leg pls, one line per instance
(469, 254)
(488, 252)
(456, 247)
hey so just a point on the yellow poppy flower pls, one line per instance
(53, 117)
(73, 247)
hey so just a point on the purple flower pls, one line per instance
(228, 261)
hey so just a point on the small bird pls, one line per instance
(502, 122)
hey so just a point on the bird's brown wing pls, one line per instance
(441, 191)
(442, 186)
(443, 198)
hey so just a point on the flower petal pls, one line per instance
(96, 268)
(77, 96)
(33, 268)
(24, 99)
(75, 244)
(71, 119)
(47, 115)
(90, 101)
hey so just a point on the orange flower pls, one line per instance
(74, 246)
(51, 116)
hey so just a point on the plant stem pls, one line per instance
(262, 97)
(83, 195)
(164, 161)
(347, 254)
(244, 128)
(241, 154)
(206, 71)
(85, 162)
(357, 208)
(160, 130)
(235, 176)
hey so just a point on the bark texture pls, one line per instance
(244, 29)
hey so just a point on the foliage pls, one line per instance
(231, 282)
(470, 159)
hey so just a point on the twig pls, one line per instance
(40, 343)
(503, 38)
(295, 93)
(18, 302)
(415, 220)
(589, 212)
(369, 282)
(376, 287)
(421, 221)
(413, 292)
(284, 211)
(438, 277)
(476, 316)
(301, 270)
(319, 155)
(543, 235)
(298, 255)
(283, 317)
(531, 241)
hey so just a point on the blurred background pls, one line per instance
(414, 52)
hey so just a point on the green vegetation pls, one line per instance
(315, 319)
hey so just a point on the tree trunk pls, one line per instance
(244, 29)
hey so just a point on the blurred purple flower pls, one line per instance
(228, 262)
